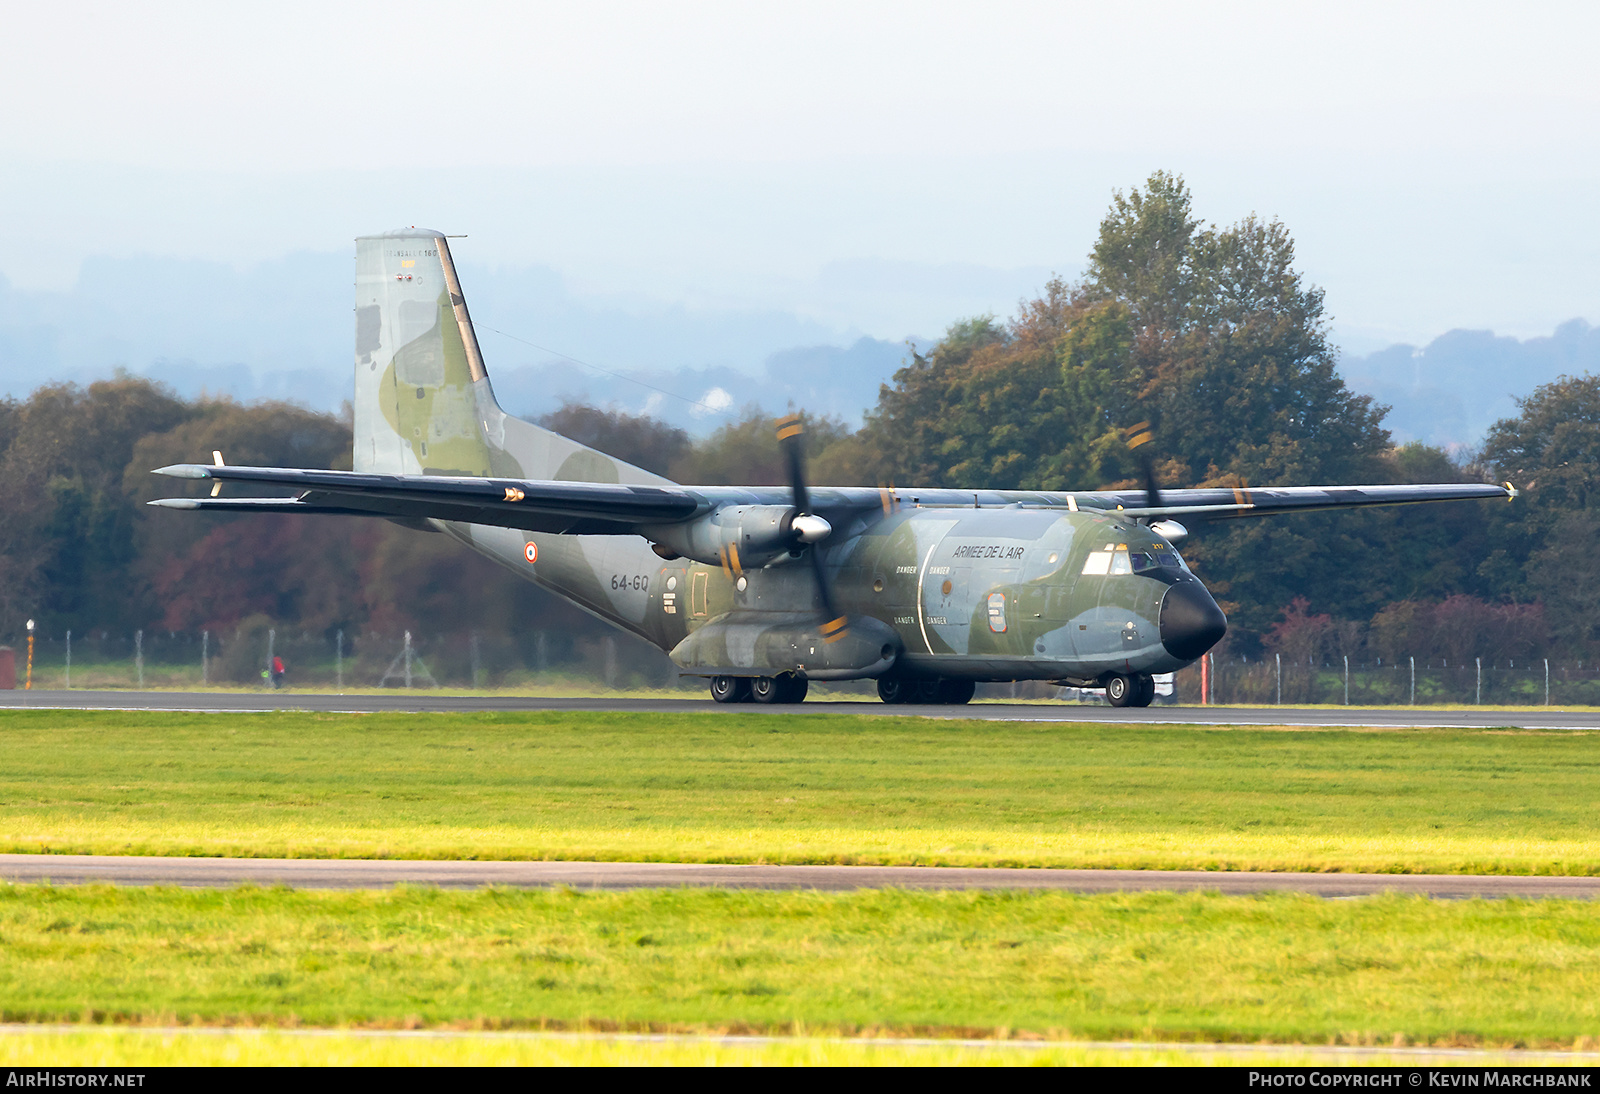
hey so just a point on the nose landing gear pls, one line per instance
(1137, 690)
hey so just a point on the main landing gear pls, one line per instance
(786, 687)
(942, 690)
(1138, 690)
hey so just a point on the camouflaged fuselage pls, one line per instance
(933, 584)
(986, 594)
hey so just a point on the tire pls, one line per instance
(925, 691)
(797, 688)
(768, 689)
(730, 689)
(1146, 693)
(1121, 691)
(957, 692)
(894, 691)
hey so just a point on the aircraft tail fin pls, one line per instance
(423, 401)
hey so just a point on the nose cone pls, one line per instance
(1191, 622)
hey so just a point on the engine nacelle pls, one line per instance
(740, 537)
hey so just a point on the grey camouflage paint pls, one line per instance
(985, 593)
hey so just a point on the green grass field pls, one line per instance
(813, 788)
(121, 1046)
(1150, 966)
(817, 787)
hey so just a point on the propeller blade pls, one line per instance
(1138, 437)
(835, 624)
(810, 529)
(790, 432)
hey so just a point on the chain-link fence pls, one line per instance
(244, 657)
(248, 655)
(1403, 682)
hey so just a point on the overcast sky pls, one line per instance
(876, 168)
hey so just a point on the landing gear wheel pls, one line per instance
(730, 689)
(799, 685)
(895, 691)
(766, 689)
(924, 691)
(1121, 691)
(1146, 692)
(957, 692)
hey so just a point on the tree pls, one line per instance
(1026, 406)
(746, 453)
(1551, 452)
(67, 537)
(632, 438)
(1208, 333)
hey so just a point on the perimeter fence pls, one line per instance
(554, 658)
(1405, 682)
(341, 660)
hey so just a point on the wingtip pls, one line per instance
(184, 471)
(175, 503)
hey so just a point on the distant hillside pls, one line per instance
(281, 330)
(836, 381)
(1449, 392)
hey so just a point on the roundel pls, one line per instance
(532, 552)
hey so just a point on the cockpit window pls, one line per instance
(1115, 558)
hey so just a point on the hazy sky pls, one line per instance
(877, 168)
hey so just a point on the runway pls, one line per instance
(432, 702)
(386, 873)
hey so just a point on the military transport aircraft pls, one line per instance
(762, 589)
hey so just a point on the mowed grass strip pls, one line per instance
(802, 788)
(1150, 966)
(122, 1046)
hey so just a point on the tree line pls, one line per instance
(1209, 333)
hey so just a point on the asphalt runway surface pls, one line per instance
(385, 873)
(430, 702)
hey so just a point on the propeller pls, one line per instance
(808, 527)
(1138, 436)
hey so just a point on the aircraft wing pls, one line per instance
(590, 508)
(1226, 503)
